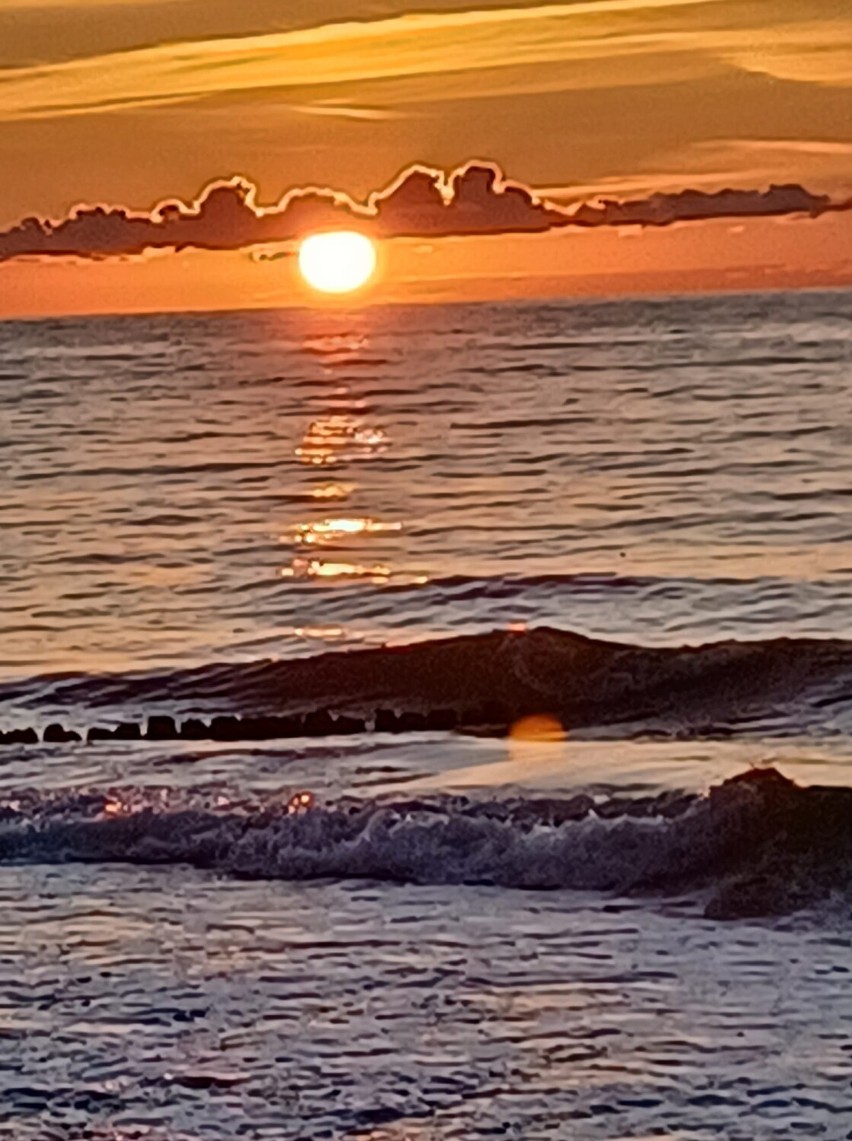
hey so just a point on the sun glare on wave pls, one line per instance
(337, 262)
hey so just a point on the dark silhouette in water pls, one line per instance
(485, 680)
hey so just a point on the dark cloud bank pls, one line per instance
(475, 199)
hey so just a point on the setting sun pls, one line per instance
(337, 262)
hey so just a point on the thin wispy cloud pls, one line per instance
(810, 53)
(342, 111)
(401, 46)
(809, 147)
(724, 162)
(51, 5)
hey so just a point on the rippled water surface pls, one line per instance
(181, 491)
(169, 1005)
(182, 487)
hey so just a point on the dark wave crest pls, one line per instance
(502, 676)
(756, 845)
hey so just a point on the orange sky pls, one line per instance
(128, 103)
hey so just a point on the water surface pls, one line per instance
(198, 490)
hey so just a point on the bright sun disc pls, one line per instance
(337, 262)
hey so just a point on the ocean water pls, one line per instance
(631, 518)
(230, 486)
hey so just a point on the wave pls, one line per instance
(503, 676)
(756, 845)
(511, 586)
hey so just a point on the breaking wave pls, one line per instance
(756, 845)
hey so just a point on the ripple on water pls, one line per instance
(510, 441)
(196, 1008)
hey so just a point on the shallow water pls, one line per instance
(187, 491)
(168, 1004)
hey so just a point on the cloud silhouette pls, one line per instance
(421, 202)
(698, 205)
(225, 216)
(475, 199)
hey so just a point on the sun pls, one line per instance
(337, 262)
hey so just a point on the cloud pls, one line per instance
(225, 216)
(436, 44)
(820, 55)
(343, 111)
(698, 205)
(598, 43)
(422, 202)
(475, 199)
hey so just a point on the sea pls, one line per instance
(424, 722)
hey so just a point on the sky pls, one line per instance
(497, 149)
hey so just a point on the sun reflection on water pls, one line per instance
(378, 573)
(335, 344)
(300, 803)
(115, 807)
(345, 535)
(333, 491)
(328, 530)
(339, 438)
(316, 568)
(320, 633)
(343, 431)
